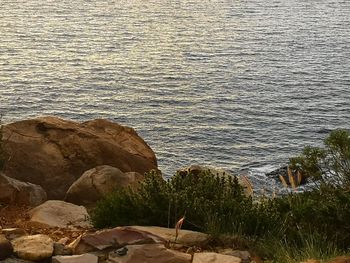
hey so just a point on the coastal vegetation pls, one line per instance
(287, 228)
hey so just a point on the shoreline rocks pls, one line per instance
(53, 153)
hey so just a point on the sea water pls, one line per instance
(242, 84)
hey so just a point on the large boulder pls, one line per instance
(55, 213)
(98, 182)
(36, 247)
(13, 191)
(53, 152)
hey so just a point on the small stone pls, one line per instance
(5, 248)
(36, 247)
(122, 251)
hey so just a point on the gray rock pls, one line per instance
(13, 191)
(57, 213)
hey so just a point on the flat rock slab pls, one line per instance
(57, 213)
(36, 247)
(85, 258)
(209, 257)
(113, 238)
(150, 253)
(185, 237)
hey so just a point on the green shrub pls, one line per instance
(210, 203)
(330, 164)
(325, 211)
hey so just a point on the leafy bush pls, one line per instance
(330, 164)
(325, 211)
(210, 203)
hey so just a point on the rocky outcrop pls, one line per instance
(34, 248)
(185, 237)
(54, 153)
(55, 213)
(13, 191)
(98, 182)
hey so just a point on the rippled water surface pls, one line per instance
(240, 84)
